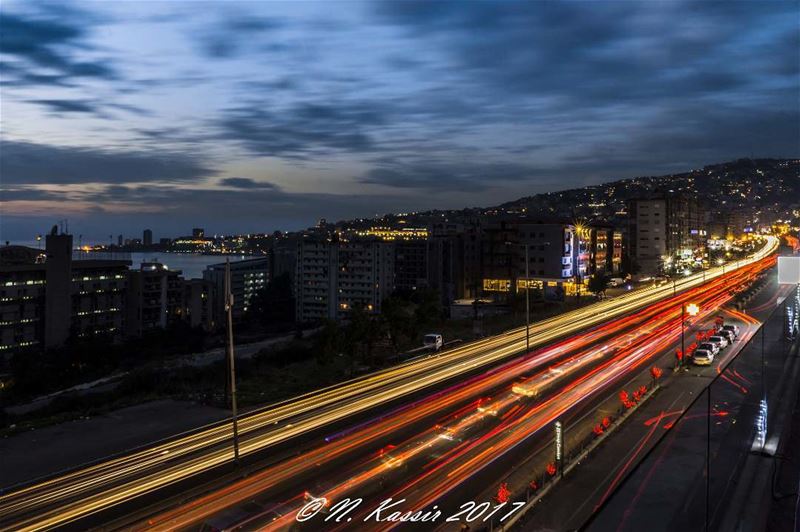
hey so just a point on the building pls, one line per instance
(155, 298)
(617, 251)
(147, 237)
(605, 251)
(199, 309)
(22, 287)
(667, 233)
(410, 254)
(198, 232)
(248, 277)
(334, 277)
(46, 298)
(283, 258)
(410, 264)
(557, 257)
(454, 260)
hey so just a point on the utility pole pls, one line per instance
(683, 326)
(527, 302)
(231, 358)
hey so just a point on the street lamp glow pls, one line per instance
(692, 309)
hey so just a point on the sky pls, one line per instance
(256, 116)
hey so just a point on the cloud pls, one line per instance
(247, 183)
(172, 210)
(302, 129)
(228, 38)
(28, 163)
(51, 40)
(67, 106)
(449, 176)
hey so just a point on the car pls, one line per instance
(733, 328)
(433, 341)
(709, 346)
(727, 334)
(721, 341)
(615, 281)
(661, 280)
(702, 357)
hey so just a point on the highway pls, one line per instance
(85, 491)
(474, 429)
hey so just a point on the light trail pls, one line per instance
(459, 429)
(78, 494)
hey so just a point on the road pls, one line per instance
(476, 423)
(99, 487)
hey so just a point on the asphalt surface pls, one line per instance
(356, 474)
(667, 491)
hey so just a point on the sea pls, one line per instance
(191, 264)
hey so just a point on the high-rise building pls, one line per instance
(120, 241)
(454, 260)
(58, 272)
(248, 277)
(147, 237)
(44, 302)
(155, 298)
(667, 233)
(411, 264)
(334, 277)
(199, 296)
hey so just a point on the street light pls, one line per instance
(527, 302)
(692, 309)
(231, 358)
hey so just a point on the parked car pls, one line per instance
(615, 282)
(727, 334)
(721, 341)
(733, 328)
(709, 346)
(433, 341)
(702, 357)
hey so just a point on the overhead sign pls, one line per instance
(789, 270)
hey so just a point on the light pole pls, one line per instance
(231, 358)
(693, 310)
(527, 302)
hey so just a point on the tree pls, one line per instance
(274, 304)
(396, 314)
(328, 342)
(598, 284)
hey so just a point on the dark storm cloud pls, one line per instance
(50, 39)
(29, 163)
(589, 53)
(247, 183)
(303, 129)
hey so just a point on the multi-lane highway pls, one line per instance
(479, 422)
(70, 497)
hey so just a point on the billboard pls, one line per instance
(789, 270)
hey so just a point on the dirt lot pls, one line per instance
(37, 453)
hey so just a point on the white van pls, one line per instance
(433, 341)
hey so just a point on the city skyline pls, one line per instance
(262, 116)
